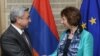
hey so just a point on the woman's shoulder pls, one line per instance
(85, 32)
(86, 35)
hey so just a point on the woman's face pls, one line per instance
(65, 22)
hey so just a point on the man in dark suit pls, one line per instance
(13, 41)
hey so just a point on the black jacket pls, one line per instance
(13, 44)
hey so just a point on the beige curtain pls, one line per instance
(0, 19)
(2, 16)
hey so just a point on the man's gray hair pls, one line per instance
(17, 12)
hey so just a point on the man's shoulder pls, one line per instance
(8, 33)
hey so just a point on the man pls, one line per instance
(13, 41)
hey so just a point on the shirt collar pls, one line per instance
(18, 29)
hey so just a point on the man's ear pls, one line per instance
(18, 20)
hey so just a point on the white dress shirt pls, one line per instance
(19, 30)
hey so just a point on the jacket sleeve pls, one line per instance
(88, 45)
(55, 52)
(10, 46)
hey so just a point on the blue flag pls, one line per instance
(90, 10)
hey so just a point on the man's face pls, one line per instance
(25, 20)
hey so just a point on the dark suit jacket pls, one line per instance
(13, 44)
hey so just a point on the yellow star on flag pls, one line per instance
(83, 25)
(92, 21)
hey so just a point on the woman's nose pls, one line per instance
(61, 21)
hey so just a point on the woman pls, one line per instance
(75, 41)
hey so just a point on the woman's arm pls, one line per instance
(88, 45)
